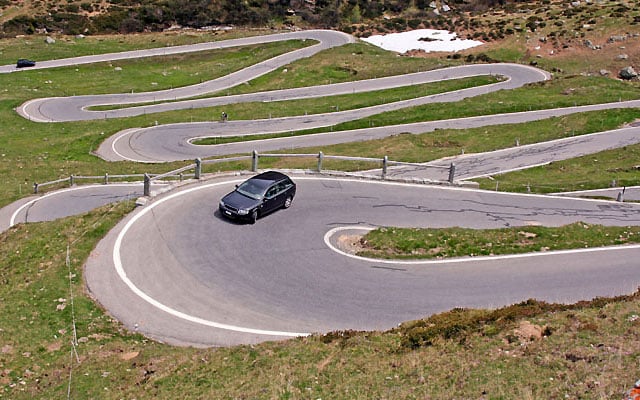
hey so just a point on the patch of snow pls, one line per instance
(432, 40)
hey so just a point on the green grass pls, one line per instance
(596, 171)
(448, 142)
(34, 46)
(567, 92)
(442, 243)
(143, 74)
(459, 354)
(343, 103)
(34, 152)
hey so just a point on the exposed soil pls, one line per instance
(351, 244)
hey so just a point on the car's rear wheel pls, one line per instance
(254, 216)
(287, 202)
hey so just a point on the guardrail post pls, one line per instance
(71, 180)
(320, 157)
(147, 184)
(620, 197)
(385, 162)
(198, 168)
(106, 178)
(452, 172)
(254, 161)
(35, 187)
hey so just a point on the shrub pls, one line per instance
(458, 324)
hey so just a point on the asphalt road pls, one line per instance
(206, 281)
(70, 201)
(175, 271)
(74, 108)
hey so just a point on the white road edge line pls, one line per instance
(120, 136)
(618, 188)
(12, 220)
(123, 275)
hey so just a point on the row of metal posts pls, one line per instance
(254, 167)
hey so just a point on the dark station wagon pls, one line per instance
(257, 196)
(24, 63)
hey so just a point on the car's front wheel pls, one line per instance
(254, 216)
(287, 202)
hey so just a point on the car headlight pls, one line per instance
(243, 212)
(221, 203)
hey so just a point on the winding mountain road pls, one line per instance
(175, 271)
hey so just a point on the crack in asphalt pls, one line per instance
(526, 214)
(388, 268)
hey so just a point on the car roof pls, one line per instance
(272, 176)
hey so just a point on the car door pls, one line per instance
(281, 194)
(270, 199)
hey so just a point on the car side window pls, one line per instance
(272, 191)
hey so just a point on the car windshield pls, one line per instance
(252, 188)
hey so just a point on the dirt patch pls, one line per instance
(351, 244)
(528, 331)
(55, 346)
(129, 356)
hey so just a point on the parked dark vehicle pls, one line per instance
(258, 196)
(23, 63)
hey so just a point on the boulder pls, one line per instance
(628, 73)
(617, 38)
(588, 43)
(49, 40)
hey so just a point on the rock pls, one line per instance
(617, 38)
(628, 73)
(49, 40)
(527, 235)
(622, 57)
(604, 72)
